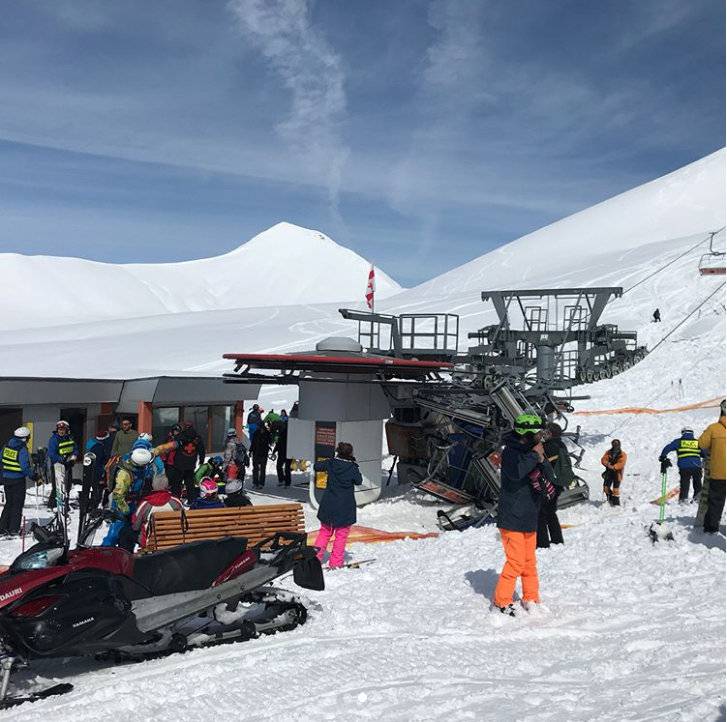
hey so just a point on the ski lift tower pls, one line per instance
(552, 338)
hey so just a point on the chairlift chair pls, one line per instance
(712, 264)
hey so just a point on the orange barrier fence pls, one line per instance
(367, 535)
(708, 404)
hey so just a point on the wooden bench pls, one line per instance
(255, 523)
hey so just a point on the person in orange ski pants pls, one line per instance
(527, 478)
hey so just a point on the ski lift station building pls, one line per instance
(154, 404)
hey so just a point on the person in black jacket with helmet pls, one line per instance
(526, 480)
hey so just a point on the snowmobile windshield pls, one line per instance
(39, 556)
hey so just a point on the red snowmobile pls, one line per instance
(103, 601)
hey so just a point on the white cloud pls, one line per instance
(313, 73)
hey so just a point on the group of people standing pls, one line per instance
(535, 468)
(269, 440)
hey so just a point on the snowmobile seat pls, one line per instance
(187, 567)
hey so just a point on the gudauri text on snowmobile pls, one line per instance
(108, 603)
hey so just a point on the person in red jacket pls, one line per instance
(160, 499)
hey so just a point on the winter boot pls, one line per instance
(509, 610)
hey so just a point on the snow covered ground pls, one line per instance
(629, 629)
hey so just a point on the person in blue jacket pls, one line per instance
(98, 446)
(689, 463)
(145, 442)
(16, 468)
(337, 511)
(62, 449)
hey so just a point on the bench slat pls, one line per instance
(254, 522)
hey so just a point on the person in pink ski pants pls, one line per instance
(337, 511)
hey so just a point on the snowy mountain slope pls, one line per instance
(284, 265)
(688, 201)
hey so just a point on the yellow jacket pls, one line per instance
(712, 441)
(124, 477)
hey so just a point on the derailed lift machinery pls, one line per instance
(447, 437)
(449, 411)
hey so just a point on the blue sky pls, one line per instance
(420, 134)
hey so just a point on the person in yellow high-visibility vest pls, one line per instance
(62, 449)
(689, 462)
(16, 468)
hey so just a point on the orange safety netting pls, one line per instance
(367, 535)
(709, 403)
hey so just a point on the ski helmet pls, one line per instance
(687, 430)
(231, 432)
(528, 424)
(217, 460)
(207, 487)
(233, 486)
(22, 432)
(144, 436)
(141, 457)
(62, 423)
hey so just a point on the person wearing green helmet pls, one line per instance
(526, 480)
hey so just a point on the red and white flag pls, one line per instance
(370, 288)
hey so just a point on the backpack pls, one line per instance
(563, 468)
(240, 453)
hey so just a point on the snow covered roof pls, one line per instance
(158, 390)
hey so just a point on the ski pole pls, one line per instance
(662, 500)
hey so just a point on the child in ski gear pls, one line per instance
(526, 476)
(62, 449)
(712, 441)
(160, 499)
(556, 452)
(614, 460)
(189, 453)
(124, 439)
(16, 468)
(207, 498)
(260, 448)
(212, 468)
(234, 495)
(337, 511)
(689, 462)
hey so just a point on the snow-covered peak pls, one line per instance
(284, 265)
(288, 237)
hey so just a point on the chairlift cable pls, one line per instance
(674, 260)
